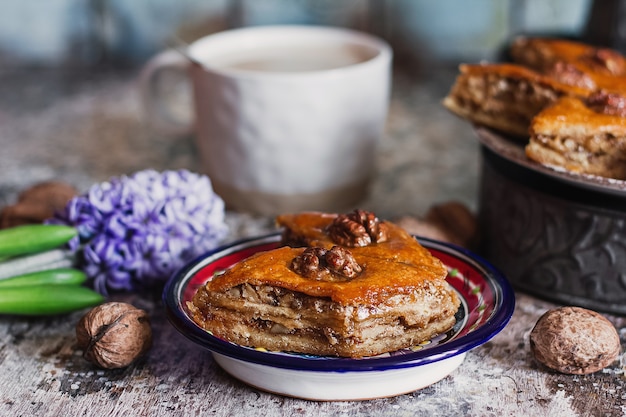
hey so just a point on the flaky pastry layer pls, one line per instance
(282, 320)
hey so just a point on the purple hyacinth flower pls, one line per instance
(135, 231)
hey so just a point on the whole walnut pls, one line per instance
(113, 335)
(574, 340)
(449, 222)
(37, 203)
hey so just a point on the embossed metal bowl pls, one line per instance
(555, 234)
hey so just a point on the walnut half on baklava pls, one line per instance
(331, 300)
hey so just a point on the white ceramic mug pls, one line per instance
(287, 118)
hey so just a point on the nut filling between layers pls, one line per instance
(264, 315)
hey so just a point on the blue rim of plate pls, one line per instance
(499, 309)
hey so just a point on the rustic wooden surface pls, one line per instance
(84, 128)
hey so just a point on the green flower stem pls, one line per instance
(60, 276)
(47, 299)
(34, 238)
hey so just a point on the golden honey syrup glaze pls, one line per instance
(380, 278)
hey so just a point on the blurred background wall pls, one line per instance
(88, 33)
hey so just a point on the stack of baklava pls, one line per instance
(567, 99)
(347, 285)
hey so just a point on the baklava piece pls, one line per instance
(573, 63)
(583, 136)
(504, 97)
(546, 54)
(351, 298)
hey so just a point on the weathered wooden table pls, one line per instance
(84, 128)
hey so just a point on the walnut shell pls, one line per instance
(455, 219)
(574, 340)
(114, 334)
(37, 203)
(449, 222)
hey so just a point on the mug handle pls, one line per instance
(167, 112)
